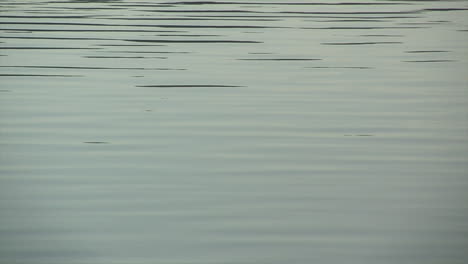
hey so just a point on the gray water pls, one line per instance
(249, 132)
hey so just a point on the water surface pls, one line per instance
(247, 132)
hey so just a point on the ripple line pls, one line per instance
(188, 86)
(39, 75)
(86, 68)
(361, 43)
(191, 41)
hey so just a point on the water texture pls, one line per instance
(233, 132)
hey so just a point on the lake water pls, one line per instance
(234, 132)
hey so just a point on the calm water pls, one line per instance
(243, 132)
